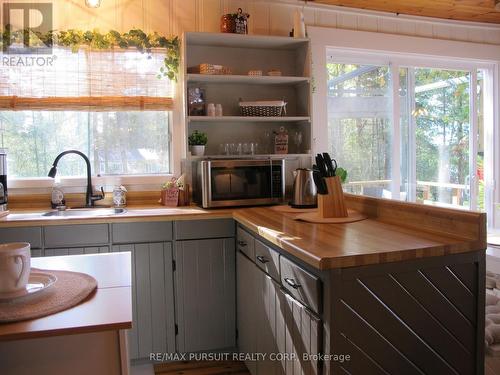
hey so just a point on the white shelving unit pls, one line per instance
(242, 53)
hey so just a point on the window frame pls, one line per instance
(407, 51)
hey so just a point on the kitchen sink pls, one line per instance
(86, 212)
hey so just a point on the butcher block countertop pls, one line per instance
(395, 231)
(109, 308)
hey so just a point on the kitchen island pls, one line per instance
(400, 293)
(89, 338)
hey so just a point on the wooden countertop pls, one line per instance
(30, 217)
(424, 232)
(109, 308)
(394, 231)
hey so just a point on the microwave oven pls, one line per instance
(238, 182)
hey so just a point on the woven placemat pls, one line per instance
(69, 290)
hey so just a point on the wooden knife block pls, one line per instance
(332, 204)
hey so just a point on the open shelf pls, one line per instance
(246, 41)
(247, 119)
(255, 80)
(243, 53)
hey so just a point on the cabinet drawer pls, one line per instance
(76, 235)
(301, 284)
(33, 235)
(76, 251)
(267, 259)
(36, 253)
(155, 231)
(245, 243)
(209, 228)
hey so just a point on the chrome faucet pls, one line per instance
(90, 197)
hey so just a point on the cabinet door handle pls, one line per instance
(242, 243)
(262, 259)
(292, 283)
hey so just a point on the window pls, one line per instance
(110, 105)
(437, 165)
(435, 153)
(440, 108)
(117, 142)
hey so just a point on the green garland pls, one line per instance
(74, 39)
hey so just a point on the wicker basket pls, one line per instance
(210, 69)
(265, 108)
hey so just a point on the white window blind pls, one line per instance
(99, 80)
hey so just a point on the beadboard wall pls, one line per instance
(271, 17)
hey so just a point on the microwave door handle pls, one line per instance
(271, 180)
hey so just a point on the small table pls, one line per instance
(89, 338)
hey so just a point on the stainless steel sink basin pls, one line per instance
(86, 212)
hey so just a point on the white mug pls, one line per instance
(15, 266)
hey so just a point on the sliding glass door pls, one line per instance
(432, 154)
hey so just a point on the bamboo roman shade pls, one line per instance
(85, 80)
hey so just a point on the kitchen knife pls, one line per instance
(320, 183)
(321, 165)
(329, 164)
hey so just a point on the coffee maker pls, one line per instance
(3, 181)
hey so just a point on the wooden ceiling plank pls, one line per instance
(463, 10)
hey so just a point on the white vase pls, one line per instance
(198, 150)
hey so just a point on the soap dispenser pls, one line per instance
(57, 197)
(119, 196)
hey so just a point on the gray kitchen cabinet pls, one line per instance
(246, 295)
(267, 259)
(301, 284)
(196, 229)
(301, 336)
(33, 235)
(83, 235)
(153, 327)
(76, 251)
(153, 231)
(271, 320)
(245, 242)
(35, 253)
(284, 325)
(205, 294)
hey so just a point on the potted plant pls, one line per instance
(197, 141)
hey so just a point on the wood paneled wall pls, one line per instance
(267, 17)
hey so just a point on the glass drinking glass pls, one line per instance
(297, 140)
(224, 149)
(232, 149)
(246, 149)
